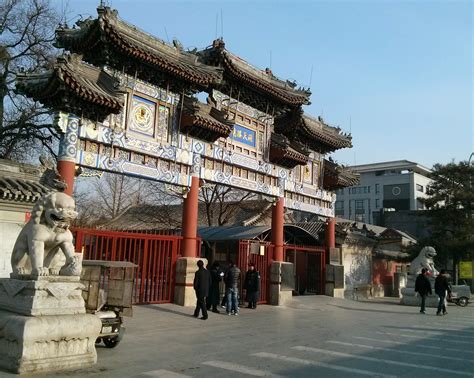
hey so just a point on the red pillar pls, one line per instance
(67, 170)
(190, 220)
(331, 233)
(277, 229)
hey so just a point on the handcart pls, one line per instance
(460, 294)
(108, 295)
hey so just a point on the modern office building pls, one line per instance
(387, 186)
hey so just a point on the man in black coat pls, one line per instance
(442, 288)
(214, 294)
(423, 288)
(202, 282)
(252, 286)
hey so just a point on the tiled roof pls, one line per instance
(337, 176)
(70, 78)
(204, 121)
(260, 81)
(311, 132)
(20, 182)
(282, 153)
(108, 29)
(16, 189)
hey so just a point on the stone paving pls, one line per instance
(318, 336)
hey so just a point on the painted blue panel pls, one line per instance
(144, 100)
(244, 135)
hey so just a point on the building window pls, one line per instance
(377, 203)
(339, 207)
(359, 206)
(420, 205)
(419, 188)
(377, 188)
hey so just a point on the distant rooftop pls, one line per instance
(397, 165)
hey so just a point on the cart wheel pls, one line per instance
(111, 342)
(463, 301)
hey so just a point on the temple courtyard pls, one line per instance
(318, 336)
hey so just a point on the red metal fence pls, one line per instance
(310, 267)
(259, 253)
(155, 256)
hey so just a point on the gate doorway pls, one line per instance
(155, 256)
(309, 267)
(259, 253)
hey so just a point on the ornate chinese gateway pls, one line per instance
(127, 103)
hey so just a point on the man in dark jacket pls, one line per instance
(441, 288)
(252, 286)
(202, 282)
(232, 279)
(423, 288)
(214, 295)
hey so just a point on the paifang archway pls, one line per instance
(125, 103)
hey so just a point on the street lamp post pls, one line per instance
(472, 256)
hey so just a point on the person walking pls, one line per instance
(441, 288)
(423, 288)
(202, 282)
(232, 279)
(214, 295)
(252, 286)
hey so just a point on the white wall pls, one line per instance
(357, 268)
(11, 223)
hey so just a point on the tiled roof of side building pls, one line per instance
(20, 182)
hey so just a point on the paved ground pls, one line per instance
(318, 337)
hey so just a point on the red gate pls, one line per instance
(310, 268)
(155, 256)
(259, 253)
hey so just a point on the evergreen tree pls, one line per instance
(450, 210)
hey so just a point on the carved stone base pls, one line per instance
(184, 294)
(54, 295)
(280, 294)
(409, 299)
(47, 343)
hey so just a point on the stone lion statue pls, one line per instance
(47, 232)
(424, 260)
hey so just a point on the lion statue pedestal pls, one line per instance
(423, 260)
(43, 321)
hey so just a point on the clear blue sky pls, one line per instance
(397, 74)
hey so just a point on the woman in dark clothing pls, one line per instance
(252, 285)
(216, 277)
(441, 288)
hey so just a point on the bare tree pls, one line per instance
(116, 192)
(26, 36)
(104, 198)
(221, 203)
